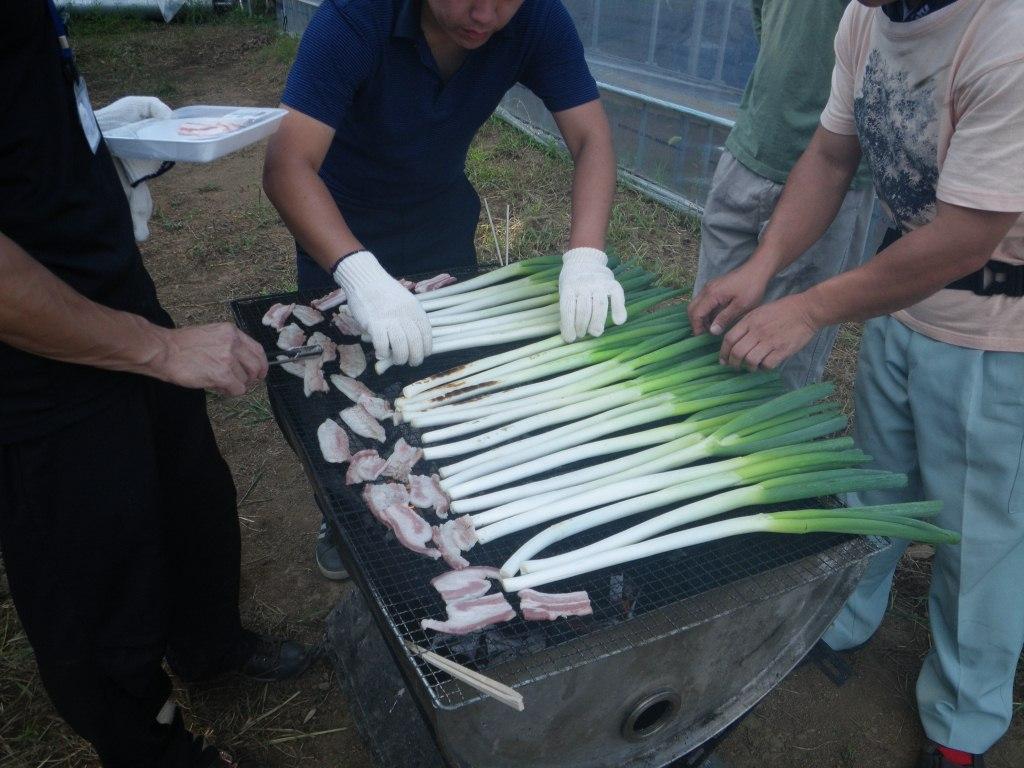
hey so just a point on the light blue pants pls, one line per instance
(952, 419)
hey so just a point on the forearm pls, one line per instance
(593, 188)
(41, 314)
(308, 210)
(809, 203)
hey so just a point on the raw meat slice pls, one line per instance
(377, 407)
(433, 283)
(346, 323)
(467, 583)
(362, 423)
(330, 348)
(313, 378)
(411, 530)
(465, 616)
(407, 284)
(402, 459)
(295, 369)
(333, 442)
(277, 316)
(426, 492)
(205, 127)
(291, 336)
(352, 389)
(351, 359)
(307, 315)
(543, 606)
(381, 496)
(364, 467)
(453, 538)
(333, 299)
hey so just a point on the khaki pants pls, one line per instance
(737, 211)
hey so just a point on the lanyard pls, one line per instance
(67, 56)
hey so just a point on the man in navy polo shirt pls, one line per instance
(368, 167)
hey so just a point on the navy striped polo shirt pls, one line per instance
(401, 133)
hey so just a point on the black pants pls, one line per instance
(121, 542)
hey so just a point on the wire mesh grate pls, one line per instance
(630, 602)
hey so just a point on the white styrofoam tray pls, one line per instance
(161, 139)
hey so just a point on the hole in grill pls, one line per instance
(651, 715)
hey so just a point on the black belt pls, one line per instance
(996, 278)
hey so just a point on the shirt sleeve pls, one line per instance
(337, 54)
(838, 113)
(984, 166)
(556, 70)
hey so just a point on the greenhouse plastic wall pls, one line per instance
(671, 74)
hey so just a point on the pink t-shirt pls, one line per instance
(938, 107)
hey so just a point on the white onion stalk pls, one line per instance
(482, 325)
(438, 320)
(527, 287)
(634, 496)
(898, 521)
(780, 489)
(495, 276)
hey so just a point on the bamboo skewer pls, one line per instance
(510, 697)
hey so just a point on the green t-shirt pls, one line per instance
(789, 85)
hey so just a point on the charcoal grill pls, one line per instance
(679, 646)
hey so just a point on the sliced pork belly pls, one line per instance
(380, 496)
(362, 423)
(291, 336)
(465, 583)
(333, 442)
(377, 407)
(407, 284)
(453, 538)
(364, 467)
(472, 614)
(433, 283)
(295, 369)
(411, 530)
(545, 606)
(333, 299)
(313, 377)
(307, 315)
(346, 323)
(329, 347)
(427, 492)
(402, 459)
(351, 359)
(352, 389)
(277, 316)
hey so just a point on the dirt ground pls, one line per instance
(215, 237)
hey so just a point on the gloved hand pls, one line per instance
(391, 315)
(132, 109)
(586, 289)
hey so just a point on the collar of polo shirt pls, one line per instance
(407, 21)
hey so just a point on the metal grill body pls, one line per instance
(678, 647)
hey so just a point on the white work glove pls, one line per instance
(586, 289)
(132, 109)
(392, 316)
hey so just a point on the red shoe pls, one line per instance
(937, 756)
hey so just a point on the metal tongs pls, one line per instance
(510, 697)
(293, 354)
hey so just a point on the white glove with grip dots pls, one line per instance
(392, 316)
(132, 109)
(586, 290)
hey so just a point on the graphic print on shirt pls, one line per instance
(897, 126)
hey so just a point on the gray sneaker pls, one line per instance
(328, 558)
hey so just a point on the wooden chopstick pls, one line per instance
(508, 696)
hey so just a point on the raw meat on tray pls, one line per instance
(346, 323)
(291, 336)
(307, 315)
(333, 442)
(351, 359)
(333, 299)
(277, 316)
(362, 423)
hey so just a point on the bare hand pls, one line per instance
(725, 300)
(218, 357)
(768, 335)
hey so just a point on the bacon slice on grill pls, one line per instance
(364, 466)
(291, 336)
(463, 584)
(277, 316)
(426, 491)
(307, 315)
(470, 615)
(333, 299)
(545, 606)
(411, 530)
(379, 497)
(453, 538)
(362, 423)
(351, 359)
(402, 459)
(350, 388)
(433, 283)
(407, 284)
(345, 322)
(333, 442)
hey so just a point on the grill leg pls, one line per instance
(381, 705)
